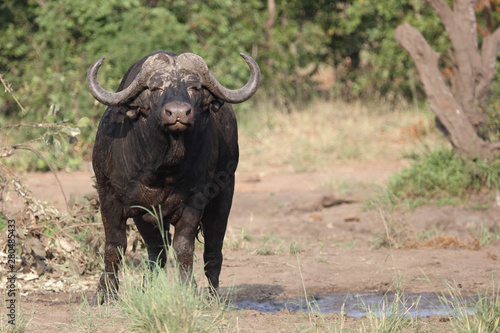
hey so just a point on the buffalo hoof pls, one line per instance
(107, 290)
(101, 298)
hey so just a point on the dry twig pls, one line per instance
(11, 93)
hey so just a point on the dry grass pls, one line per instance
(325, 132)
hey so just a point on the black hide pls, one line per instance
(143, 157)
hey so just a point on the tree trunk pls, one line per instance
(271, 9)
(473, 71)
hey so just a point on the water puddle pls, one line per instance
(358, 305)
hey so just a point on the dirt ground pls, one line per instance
(323, 216)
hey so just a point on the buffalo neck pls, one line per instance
(165, 153)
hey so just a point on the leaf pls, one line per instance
(64, 244)
(35, 247)
(57, 146)
(71, 131)
(75, 268)
(48, 232)
(48, 138)
(54, 109)
(50, 119)
(83, 122)
(28, 276)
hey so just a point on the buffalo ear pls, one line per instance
(132, 113)
(211, 102)
(145, 111)
(140, 105)
(216, 105)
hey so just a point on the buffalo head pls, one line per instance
(173, 88)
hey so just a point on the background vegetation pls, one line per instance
(343, 50)
(48, 45)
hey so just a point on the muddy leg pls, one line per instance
(115, 245)
(183, 244)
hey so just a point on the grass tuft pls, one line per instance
(481, 316)
(295, 247)
(487, 234)
(92, 319)
(165, 303)
(269, 244)
(236, 238)
(392, 315)
(20, 322)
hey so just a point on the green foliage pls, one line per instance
(53, 133)
(491, 107)
(47, 47)
(3, 221)
(48, 64)
(440, 174)
(371, 64)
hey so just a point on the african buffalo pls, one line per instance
(168, 139)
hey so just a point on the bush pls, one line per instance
(441, 174)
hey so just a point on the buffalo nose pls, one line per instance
(177, 110)
(177, 116)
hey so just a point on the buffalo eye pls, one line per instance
(194, 90)
(156, 90)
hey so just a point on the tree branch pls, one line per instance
(489, 52)
(12, 94)
(30, 148)
(271, 10)
(460, 24)
(442, 102)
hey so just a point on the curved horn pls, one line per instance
(197, 64)
(110, 98)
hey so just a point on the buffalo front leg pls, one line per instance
(214, 223)
(115, 245)
(183, 242)
(157, 239)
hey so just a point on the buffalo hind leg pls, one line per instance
(115, 233)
